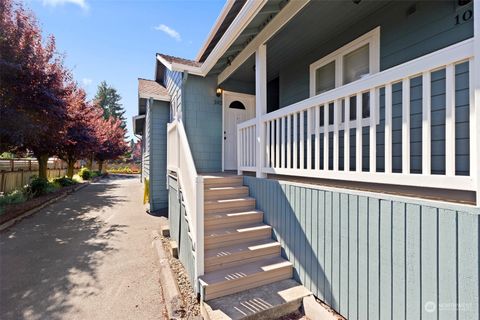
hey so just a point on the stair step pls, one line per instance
(239, 278)
(232, 219)
(226, 257)
(270, 301)
(216, 193)
(224, 237)
(220, 180)
(230, 205)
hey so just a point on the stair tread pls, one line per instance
(240, 248)
(220, 215)
(245, 270)
(225, 188)
(211, 180)
(231, 230)
(214, 201)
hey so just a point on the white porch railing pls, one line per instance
(246, 145)
(295, 143)
(180, 160)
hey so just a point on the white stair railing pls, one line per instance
(180, 161)
(295, 143)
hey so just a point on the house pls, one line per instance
(149, 124)
(335, 142)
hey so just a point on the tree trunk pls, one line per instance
(90, 162)
(100, 165)
(42, 166)
(70, 167)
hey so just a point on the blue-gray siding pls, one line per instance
(155, 160)
(375, 256)
(202, 116)
(179, 229)
(173, 84)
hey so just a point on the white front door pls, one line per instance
(237, 108)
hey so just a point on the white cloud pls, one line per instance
(54, 3)
(86, 82)
(169, 31)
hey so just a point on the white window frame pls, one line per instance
(372, 38)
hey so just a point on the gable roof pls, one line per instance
(151, 89)
(179, 61)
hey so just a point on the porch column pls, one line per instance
(260, 106)
(475, 159)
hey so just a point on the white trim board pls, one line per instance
(221, 17)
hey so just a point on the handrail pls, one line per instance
(180, 160)
(430, 62)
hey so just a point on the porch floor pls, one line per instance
(436, 194)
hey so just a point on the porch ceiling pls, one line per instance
(317, 23)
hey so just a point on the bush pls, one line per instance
(64, 182)
(85, 173)
(16, 196)
(96, 174)
(38, 187)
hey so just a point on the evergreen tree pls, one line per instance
(108, 99)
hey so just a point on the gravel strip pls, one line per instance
(190, 304)
(297, 315)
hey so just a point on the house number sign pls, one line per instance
(463, 17)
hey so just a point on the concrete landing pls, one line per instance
(266, 302)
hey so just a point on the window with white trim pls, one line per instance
(354, 61)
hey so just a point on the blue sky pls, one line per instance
(116, 41)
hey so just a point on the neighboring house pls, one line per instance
(353, 127)
(152, 119)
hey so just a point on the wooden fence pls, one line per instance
(15, 173)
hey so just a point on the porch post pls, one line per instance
(476, 100)
(260, 106)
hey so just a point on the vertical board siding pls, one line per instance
(179, 229)
(376, 257)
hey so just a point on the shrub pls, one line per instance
(85, 173)
(38, 187)
(16, 196)
(64, 182)
(96, 174)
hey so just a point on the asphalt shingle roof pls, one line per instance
(152, 89)
(172, 59)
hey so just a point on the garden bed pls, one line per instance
(12, 211)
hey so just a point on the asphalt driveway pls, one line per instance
(88, 256)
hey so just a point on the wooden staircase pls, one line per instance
(240, 253)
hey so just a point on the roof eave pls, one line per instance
(156, 98)
(180, 67)
(226, 8)
(244, 17)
